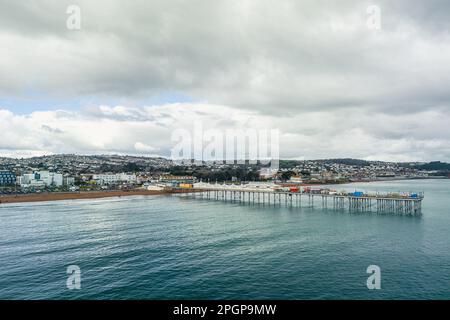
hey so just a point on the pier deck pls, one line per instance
(365, 203)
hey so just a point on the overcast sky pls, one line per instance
(138, 70)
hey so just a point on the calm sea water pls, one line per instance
(166, 247)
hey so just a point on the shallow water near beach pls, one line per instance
(168, 247)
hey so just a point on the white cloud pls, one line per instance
(148, 130)
(142, 147)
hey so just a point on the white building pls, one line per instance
(105, 178)
(68, 181)
(41, 179)
(296, 179)
(109, 178)
(154, 187)
(267, 173)
(129, 178)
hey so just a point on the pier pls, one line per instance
(354, 202)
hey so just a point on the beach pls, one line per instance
(54, 196)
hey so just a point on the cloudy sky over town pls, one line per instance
(332, 83)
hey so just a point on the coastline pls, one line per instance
(79, 195)
(56, 196)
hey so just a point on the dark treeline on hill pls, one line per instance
(129, 167)
(434, 165)
(347, 161)
(286, 164)
(243, 173)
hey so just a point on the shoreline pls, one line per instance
(57, 196)
(80, 195)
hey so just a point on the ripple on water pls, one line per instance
(172, 248)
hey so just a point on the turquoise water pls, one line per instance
(166, 247)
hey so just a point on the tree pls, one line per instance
(131, 167)
(287, 175)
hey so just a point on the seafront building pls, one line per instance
(68, 181)
(110, 178)
(40, 179)
(296, 179)
(7, 178)
(176, 180)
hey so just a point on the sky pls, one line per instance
(318, 71)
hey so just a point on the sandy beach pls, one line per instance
(38, 197)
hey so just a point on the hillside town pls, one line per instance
(116, 172)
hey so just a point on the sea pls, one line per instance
(172, 247)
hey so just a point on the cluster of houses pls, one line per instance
(41, 179)
(78, 164)
(66, 171)
(321, 171)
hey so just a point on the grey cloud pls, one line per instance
(278, 60)
(50, 129)
(292, 56)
